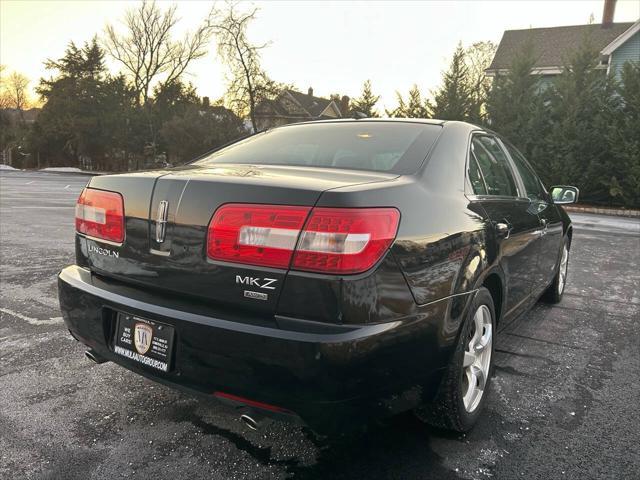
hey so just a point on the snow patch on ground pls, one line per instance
(31, 320)
(61, 169)
(6, 167)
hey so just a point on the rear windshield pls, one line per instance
(378, 146)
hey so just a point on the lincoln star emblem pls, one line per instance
(142, 336)
(161, 220)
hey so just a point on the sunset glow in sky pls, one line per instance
(332, 46)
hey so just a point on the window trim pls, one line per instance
(546, 194)
(516, 176)
(472, 158)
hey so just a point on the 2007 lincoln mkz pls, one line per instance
(326, 273)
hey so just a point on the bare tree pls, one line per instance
(147, 50)
(5, 101)
(248, 82)
(478, 57)
(17, 90)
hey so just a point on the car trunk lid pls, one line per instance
(167, 214)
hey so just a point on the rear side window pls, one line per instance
(378, 146)
(530, 180)
(494, 167)
(475, 177)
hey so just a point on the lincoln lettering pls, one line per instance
(103, 251)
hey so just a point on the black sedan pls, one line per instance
(327, 273)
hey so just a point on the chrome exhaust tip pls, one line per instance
(94, 357)
(250, 422)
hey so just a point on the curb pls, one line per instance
(615, 212)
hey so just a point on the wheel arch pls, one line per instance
(493, 281)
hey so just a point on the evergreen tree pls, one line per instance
(366, 102)
(83, 111)
(454, 100)
(518, 107)
(623, 139)
(414, 107)
(581, 129)
(198, 129)
(512, 99)
(581, 108)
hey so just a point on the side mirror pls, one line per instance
(564, 194)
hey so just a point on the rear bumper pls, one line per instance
(322, 374)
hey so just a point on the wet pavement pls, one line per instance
(563, 403)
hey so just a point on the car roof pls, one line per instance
(425, 121)
(458, 127)
(428, 121)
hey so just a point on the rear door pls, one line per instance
(550, 220)
(514, 218)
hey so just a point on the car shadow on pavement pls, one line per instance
(399, 448)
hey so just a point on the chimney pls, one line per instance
(205, 102)
(310, 92)
(607, 13)
(344, 106)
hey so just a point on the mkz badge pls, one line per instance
(142, 337)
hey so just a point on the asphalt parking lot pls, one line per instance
(563, 404)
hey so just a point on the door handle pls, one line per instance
(545, 225)
(503, 229)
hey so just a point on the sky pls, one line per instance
(330, 46)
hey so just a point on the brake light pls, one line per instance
(333, 240)
(345, 240)
(255, 234)
(100, 214)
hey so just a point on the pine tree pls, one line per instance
(518, 108)
(513, 97)
(623, 138)
(454, 99)
(197, 130)
(84, 110)
(367, 101)
(581, 108)
(414, 107)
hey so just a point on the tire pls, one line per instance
(553, 294)
(455, 407)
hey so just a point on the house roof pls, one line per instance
(619, 41)
(314, 105)
(293, 104)
(552, 45)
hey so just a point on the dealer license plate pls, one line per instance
(144, 341)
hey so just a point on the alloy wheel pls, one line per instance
(477, 358)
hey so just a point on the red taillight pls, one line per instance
(255, 234)
(100, 214)
(345, 240)
(333, 240)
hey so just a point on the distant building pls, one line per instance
(616, 42)
(292, 106)
(625, 48)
